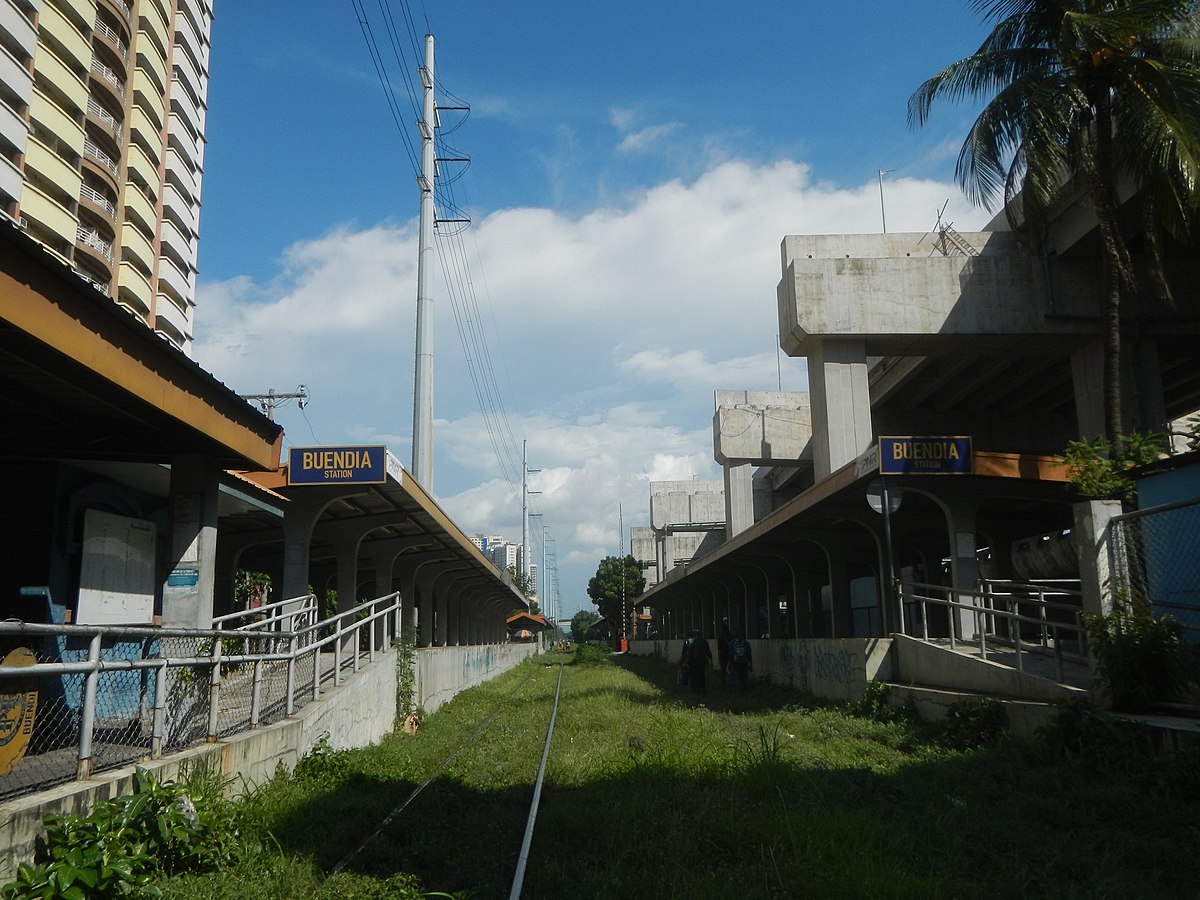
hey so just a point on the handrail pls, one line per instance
(981, 605)
(362, 630)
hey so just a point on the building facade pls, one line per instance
(102, 110)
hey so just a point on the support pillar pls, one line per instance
(841, 404)
(739, 498)
(192, 544)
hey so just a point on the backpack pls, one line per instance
(741, 650)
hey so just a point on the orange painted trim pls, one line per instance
(48, 321)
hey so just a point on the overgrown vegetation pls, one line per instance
(406, 676)
(1101, 470)
(757, 793)
(126, 843)
(1139, 656)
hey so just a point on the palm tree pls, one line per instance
(1088, 91)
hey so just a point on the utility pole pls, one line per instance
(422, 449)
(271, 399)
(621, 569)
(525, 492)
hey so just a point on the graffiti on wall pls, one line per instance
(478, 663)
(808, 664)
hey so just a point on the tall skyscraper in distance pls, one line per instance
(102, 109)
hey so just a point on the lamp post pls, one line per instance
(882, 211)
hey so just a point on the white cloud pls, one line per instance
(646, 139)
(608, 333)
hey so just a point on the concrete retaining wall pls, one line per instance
(444, 671)
(829, 668)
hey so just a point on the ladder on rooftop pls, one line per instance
(949, 242)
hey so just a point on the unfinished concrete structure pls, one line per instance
(944, 334)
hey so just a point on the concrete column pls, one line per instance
(192, 544)
(739, 498)
(1087, 376)
(1150, 408)
(841, 620)
(964, 563)
(841, 404)
(425, 616)
(1092, 536)
(300, 515)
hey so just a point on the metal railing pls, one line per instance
(87, 192)
(109, 75)
(95, 241)
(108, 696)
(103, 115)
(1046, 619)
(92, 150)
(103, 27)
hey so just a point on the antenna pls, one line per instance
(271, 399)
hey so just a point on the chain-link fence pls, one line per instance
(80, 699)
(1156, 559)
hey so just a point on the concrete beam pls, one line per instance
(761, 427)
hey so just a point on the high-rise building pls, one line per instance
(102, 107)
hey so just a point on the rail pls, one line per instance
(106, 696)
(1024, 617)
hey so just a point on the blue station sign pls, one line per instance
(925, 455)
(337, 465)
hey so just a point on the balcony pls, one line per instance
(136, 249)
(13, 129)
(97, 155)
(121, 9)
(153, 22)
(142, 169)
(183, 103)
(53, 169)
(99, 114)
(114, 40)
(154, 64)
(57, 73)
(98, 202)
(57, 121)
(147, 135)
(93, 240)
(133, 289)
(182, 140)
(183, 172)
(172, 280)
(19, 27)
(15, 75)
(181, 206)
(52, 216)
(150, 101)
(69, 39)
(110, 77)
(166, 311)
(11, 178)
(91, 278)
(139, 210)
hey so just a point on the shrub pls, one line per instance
(1139, 656)
(126, 842)
(970, 724)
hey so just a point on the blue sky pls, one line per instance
(635, 166)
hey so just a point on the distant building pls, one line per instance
(102, 109)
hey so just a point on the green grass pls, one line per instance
(748, 794)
